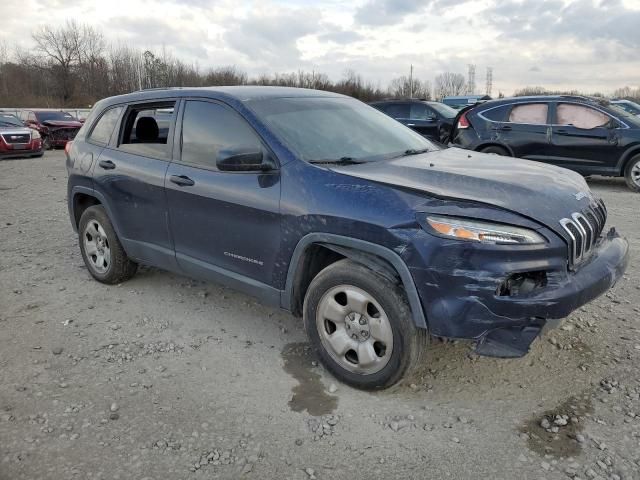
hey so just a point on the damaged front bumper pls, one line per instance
(469, 294)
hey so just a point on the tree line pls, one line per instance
(73, 66)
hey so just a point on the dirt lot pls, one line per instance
(168, 378)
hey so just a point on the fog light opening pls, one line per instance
(522, 284)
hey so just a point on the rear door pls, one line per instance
(130, 174)
(585, 139)
(226, 225)
(526, 130)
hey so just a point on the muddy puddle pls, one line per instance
(309, 394)
(563, 442)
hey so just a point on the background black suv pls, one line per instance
(590, 136)
(430, 119)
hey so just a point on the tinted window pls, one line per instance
(146, 130)
(104, 128)
(419, 111)
(332, 128)
(531, 113)
(496, 114)
(445, 110)
(580, 116)
(398, 110)
(208, 128)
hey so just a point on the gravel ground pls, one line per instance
(164, 377)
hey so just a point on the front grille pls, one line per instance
(584, 229)
(13, 138)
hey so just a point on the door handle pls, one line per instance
(181, 180)
(505, 128)
(562, 131)
(107, 164)
(411, 124)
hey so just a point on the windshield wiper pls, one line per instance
(338, 161)
(413, 151)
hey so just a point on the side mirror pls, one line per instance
(241, 160)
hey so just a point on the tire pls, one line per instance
(357, 294)
(632, 174)
(496, 150)
(98, 240)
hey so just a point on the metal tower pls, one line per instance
(471, 84)
(489, 80)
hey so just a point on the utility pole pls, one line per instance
(411, 82)
(471, 84)
(489, 80)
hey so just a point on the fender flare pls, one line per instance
(98, 196)
(379, 258)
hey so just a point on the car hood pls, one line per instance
(15, 130)
(62, 123)
(543, 193)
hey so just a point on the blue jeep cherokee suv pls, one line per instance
(328, 208)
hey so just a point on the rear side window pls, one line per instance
(496, 114)
(208, 128)
(102, 131)
(397, 111)
(580, 116)
(146, 129)
(531, 113)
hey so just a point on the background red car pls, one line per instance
(16, 140)
(55, 127)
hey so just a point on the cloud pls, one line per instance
(270, 37)
(387, 12)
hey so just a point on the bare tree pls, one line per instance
(448, 84)
(64, 48)
(404, 87)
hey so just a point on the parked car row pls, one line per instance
(33, 131)
(589, 136)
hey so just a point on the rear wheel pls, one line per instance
(632, 174)
(101, 250)
(496, 150)
(361, 327)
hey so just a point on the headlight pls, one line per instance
(485, 232)
(35, 134)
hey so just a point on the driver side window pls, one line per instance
(208, 128)
(580, 116)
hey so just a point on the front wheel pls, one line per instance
(101, 250)
(632, 174)
(360, 325)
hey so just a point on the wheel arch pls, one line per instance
(494, 144)
(90, 197)
(626, 158)
(380, 259)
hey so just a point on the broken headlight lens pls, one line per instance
(485, 232)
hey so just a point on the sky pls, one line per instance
(588, 45)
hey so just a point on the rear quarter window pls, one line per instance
(496, 114)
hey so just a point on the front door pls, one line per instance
(585, 139)
(225, 225)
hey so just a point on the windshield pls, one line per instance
(8, 120)
(46, 116)
(445, 110)
(318, 129)
(630, 107)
